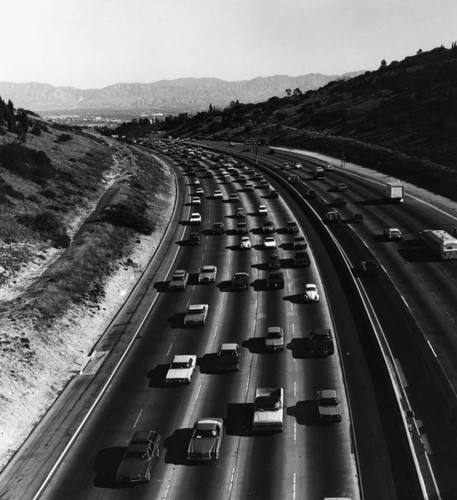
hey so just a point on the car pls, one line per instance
(339, 202)
(292, 227)
(217, 194)
(179, 280)
(207, 274)
(274, 262)
(249, 187)
(206, 440)
(181, 369)
(138, 459)
(245, 243)
(299, 243)
(301, 259)
(218, 228)
(264, 184)
(329, 167)
(275, 280)
(332, 216)
(268, 227)
(286, 166)
(240, 212)
(370, 267)
(273, 193)
(311, 293)
(196, 200)
(240, 281)
(310, 193)
(195, 218)
(357, 218)
(196, 181)
(228, 357)
(194, 238)
(392, 233)
(234, 197)
(196, 315)
(274, 340)
(341, 186)
(258, 176)
(241, 228)
(329, 406)
(298, 166)
(269, 242)
(242, 178)
(199, 191)
(263, 210)
(321, 342)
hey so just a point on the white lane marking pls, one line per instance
(232, 479)
(169, 349)
(295, 431)
(431, 348)
(293, 329)
(295, 388)
(198, 391)
(294, 485)
(138, 418)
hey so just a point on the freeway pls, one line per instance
(306, 460)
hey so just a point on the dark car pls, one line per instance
(292, 227)
(228, 357)
(370, 267)
(240, 281)
(301, 259)
(241, 228)
(139, 457)
(268, 227)
(275, 280)
(194, 238)
(274, 262)
(321, 342)
(339, 202)
(357, 218)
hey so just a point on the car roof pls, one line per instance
(229, 346)
(183, 358)
(274, 329)
(328, 393)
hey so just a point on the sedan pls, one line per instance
(268, 227)
(240, 281)
(207, 274)
(269, 242)
(217, 194)
(195, 218)
(205, 442)
(263, 210)
(199, 191)
(228, 357)
(311, 293)
(196, 200)
(181, 369)
(245, 243)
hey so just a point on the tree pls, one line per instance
(288, 92)
(297, 92)
(383, 63)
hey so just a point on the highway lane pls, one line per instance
(428, 286)
(139, 407)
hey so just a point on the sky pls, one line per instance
(96, 43)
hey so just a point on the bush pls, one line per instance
(64, 138)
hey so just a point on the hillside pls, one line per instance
(400, 119)
(169, 96)
(79, 215)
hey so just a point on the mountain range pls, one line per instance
(168, 96)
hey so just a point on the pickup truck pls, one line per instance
(268, 409)
(196, 315)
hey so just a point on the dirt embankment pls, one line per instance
(56, 302)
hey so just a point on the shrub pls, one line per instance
(64, 138)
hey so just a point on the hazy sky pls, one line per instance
(95, 43)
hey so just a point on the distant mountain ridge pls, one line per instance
(180, 95)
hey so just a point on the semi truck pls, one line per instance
(394, 192)
(268, 409)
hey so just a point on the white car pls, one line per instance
(207, 274)
(245, 243)
(298, 166)
(217, 194)
(393, 233)
(199, 190)
(329, 167)
(195, 218)
(196, 200)
(181, 369)
(269, 242)
(263, 210)
(196, 181)
(311, 293)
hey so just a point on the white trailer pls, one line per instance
(394, 192)
(442, 243)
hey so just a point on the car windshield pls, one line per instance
(265, 403)
(137, 454)
(180, 364)
(228, 352)
(328, 402)
(205, 433)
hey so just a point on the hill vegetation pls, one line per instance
(400, 119)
